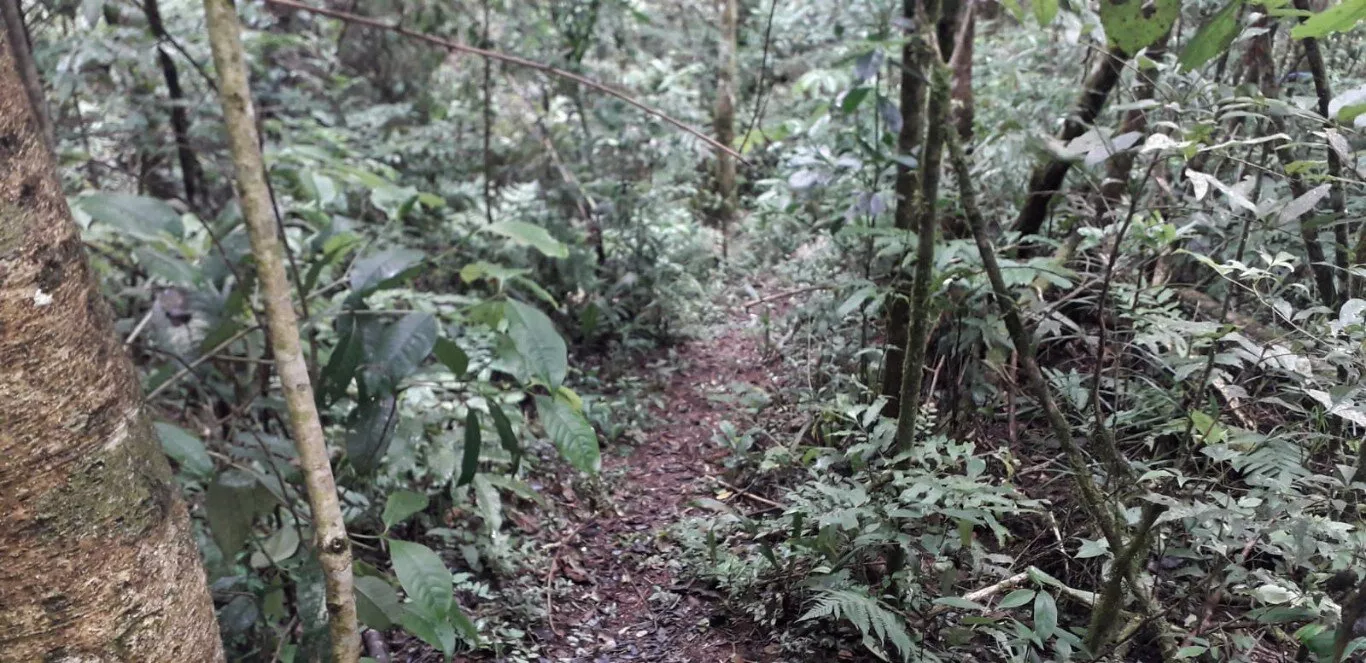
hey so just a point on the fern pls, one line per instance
(866, 614)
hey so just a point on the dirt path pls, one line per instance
(627, 603)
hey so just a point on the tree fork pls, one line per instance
(330, 538)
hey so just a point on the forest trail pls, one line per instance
(627, 602)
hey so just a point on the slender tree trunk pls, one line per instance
(961, 64)
(330, 540)
(190, 173)
(96, 559)
(723, 118)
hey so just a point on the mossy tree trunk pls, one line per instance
(96, 559)
(723, 117)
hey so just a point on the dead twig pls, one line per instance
(781, 295)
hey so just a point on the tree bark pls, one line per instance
(330, 540)
(723, 117)
(1047, 178)
(96, 559)
(191, 174)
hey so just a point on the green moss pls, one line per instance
(125, 491)
(13, 222)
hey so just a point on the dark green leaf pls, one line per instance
(138, 217)
(435, 630)
(342, 363)
(1213, 37)
(401, 349)
(377, 603)
(1339, 18)
(185, 449)
(1045, 615)
(541, 347)
(450, 354)
(367, 438)
(469, 461)
(1046, 11)
(531, 235)
(506, 437)
(571, 433)
(1016, 599)
(424, 577)
(401, 505)
(382, 270)
(1133, 25)
(165, 266)
(464, 626)
(231, 505)
(854, 98)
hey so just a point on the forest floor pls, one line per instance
(626, 600)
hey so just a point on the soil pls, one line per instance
(627, 601)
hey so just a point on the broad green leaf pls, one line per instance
(1133, 25)
(450, 354)
(959, 602)
(531, 235)
(1045, 615)
(139, 217)
(571, 433)
(1213, 37)
(854, 98)
(487, 270)
(506, 437)
(435, 630)
(1339, 18)
(490, 503)
(534, 336)
(402, 348)
(367, 437)
(186, 450)
(277, 548)
(165, 266)
(231, 505)
(1016, 599)
(424, 577)
(464, 626)
(382, 270)
(401, 505)
(1046, 11)
(342, 363)
(469, 462)
(377, 603)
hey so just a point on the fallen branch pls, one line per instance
(514, 60)
(786, 294)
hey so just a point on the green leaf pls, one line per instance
(959, 602)
(490, 503)
(1132, 28)
(165, 266)
(401, 505)
(506, 437)
(424, 577)
(464, 626)
(277, 548)
(371, 427)
(185, 449)
(383, 270)
(571, 433)
(1339, 18)
(1045, 615)
(402, 348)
(1045, 11)
(377, 603)
(138, 217)
(1212, 38)
(469, 461)
(231, 504)
(342, 363)
(855, 98)
(534, 336)
(527, 234)
(1016, 599)
(435, 630)
(450, 354)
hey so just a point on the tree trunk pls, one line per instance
(330, 542)
(190, 173)
(723, 117)
(96, 560)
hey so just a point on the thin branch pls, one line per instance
(515, 60)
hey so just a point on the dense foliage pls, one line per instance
(492, 263)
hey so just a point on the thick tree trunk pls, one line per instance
(723, 116)
(96, 560)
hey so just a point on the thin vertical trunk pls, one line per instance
(927, 225)
(330, 539)
(723, 117)
(961, 64)
(190, 173)
(98, 560)
(1120, 166)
